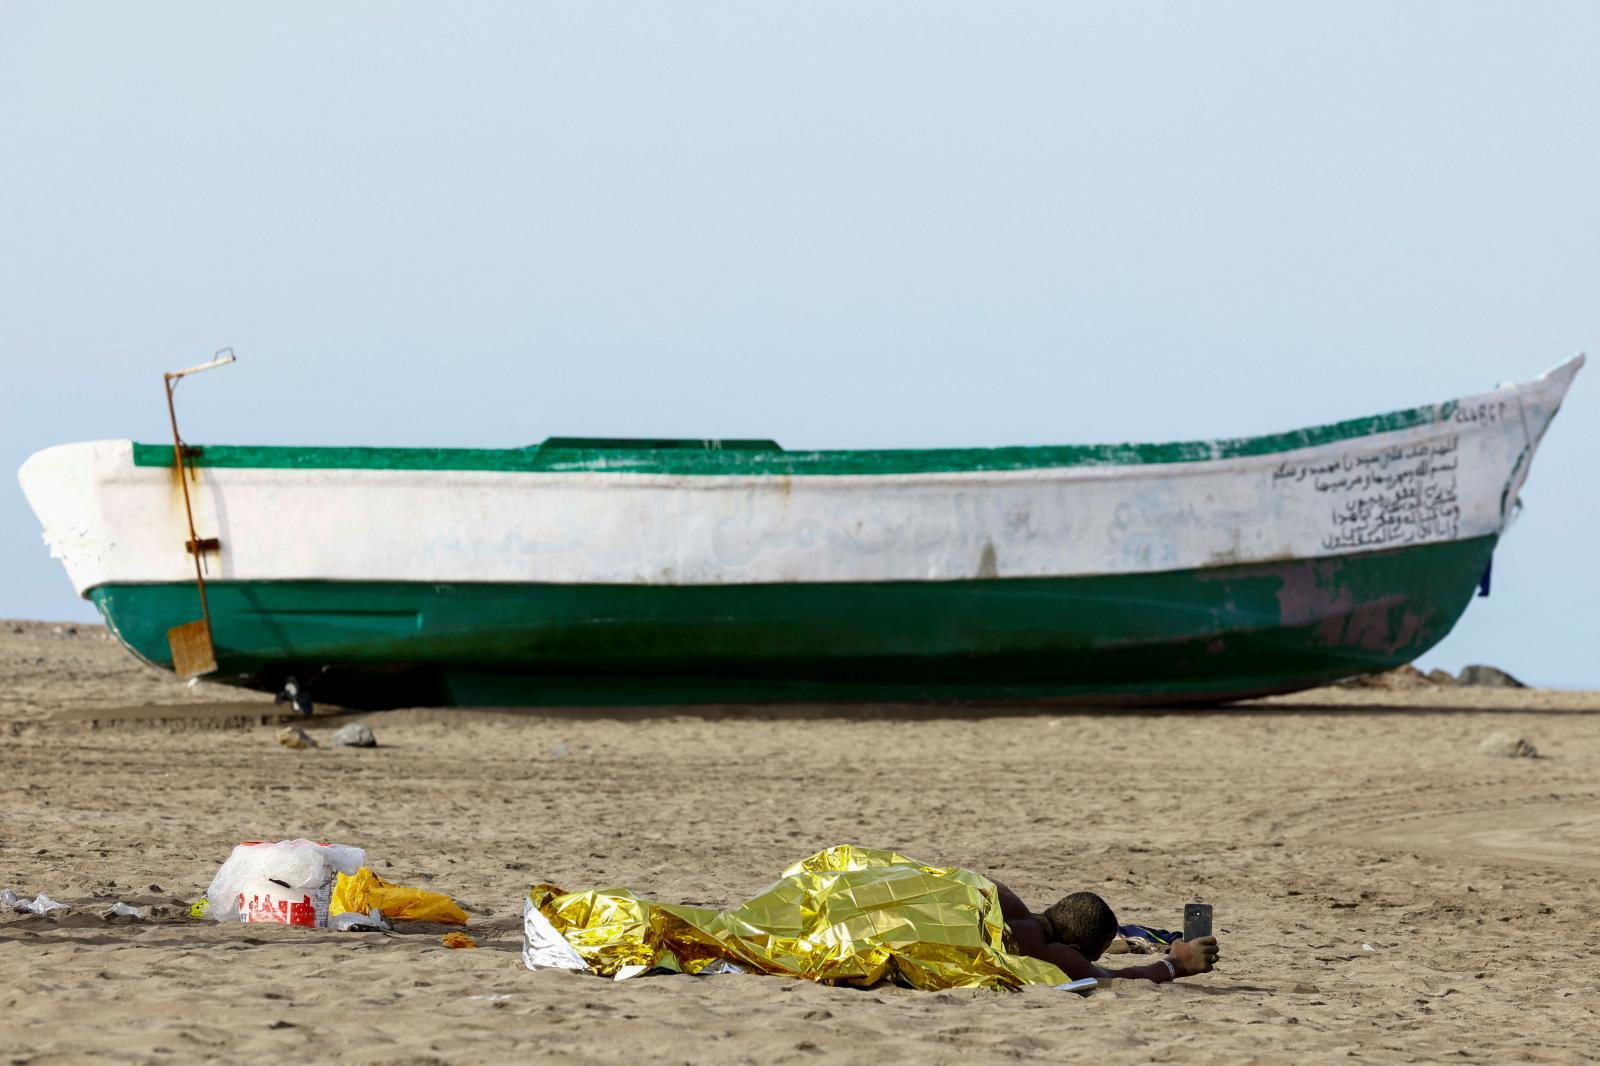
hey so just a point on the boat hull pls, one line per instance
(617, 572)
(1204, 636)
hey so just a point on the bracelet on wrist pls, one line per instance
(1171, 969)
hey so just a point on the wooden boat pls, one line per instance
(586, 571)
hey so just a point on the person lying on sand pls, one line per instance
(847, 915)
(1077, 929)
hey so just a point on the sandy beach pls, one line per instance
(1384, 892)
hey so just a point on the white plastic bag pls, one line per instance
(287, 881)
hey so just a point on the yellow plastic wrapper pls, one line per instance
(847, 915)
(365, 890)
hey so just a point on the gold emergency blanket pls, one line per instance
(847, 915)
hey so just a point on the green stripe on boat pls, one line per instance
(754, 457)
(1209, 634)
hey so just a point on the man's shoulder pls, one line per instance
(1028, 931)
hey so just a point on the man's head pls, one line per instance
(1084, 921)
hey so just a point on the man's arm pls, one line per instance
(1031, 940)
(1186, 959)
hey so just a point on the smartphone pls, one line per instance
(1196, 921)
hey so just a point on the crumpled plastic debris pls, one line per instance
(40, 904)
(43, 904)
(846, 915)
(721, 966)
(372, 921)
(458, 940)
(301, 882)
(1142, 940)
(364, 891)
(284, 881)
(120, 909)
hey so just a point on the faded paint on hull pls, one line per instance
(558, 515)
(1204, 635)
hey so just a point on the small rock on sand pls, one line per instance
(1400, 678)
(295, 737)
(1488, 677)
(1506, 746)
(1441, 677)
(355, 735)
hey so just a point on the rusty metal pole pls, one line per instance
(193, 650)
(170, 381)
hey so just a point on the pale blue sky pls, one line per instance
(834, 224)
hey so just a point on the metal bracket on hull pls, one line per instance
(194, 653)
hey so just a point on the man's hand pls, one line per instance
(1198, 957)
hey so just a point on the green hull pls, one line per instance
(1184, 636)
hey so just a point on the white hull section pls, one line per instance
(112, 522)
